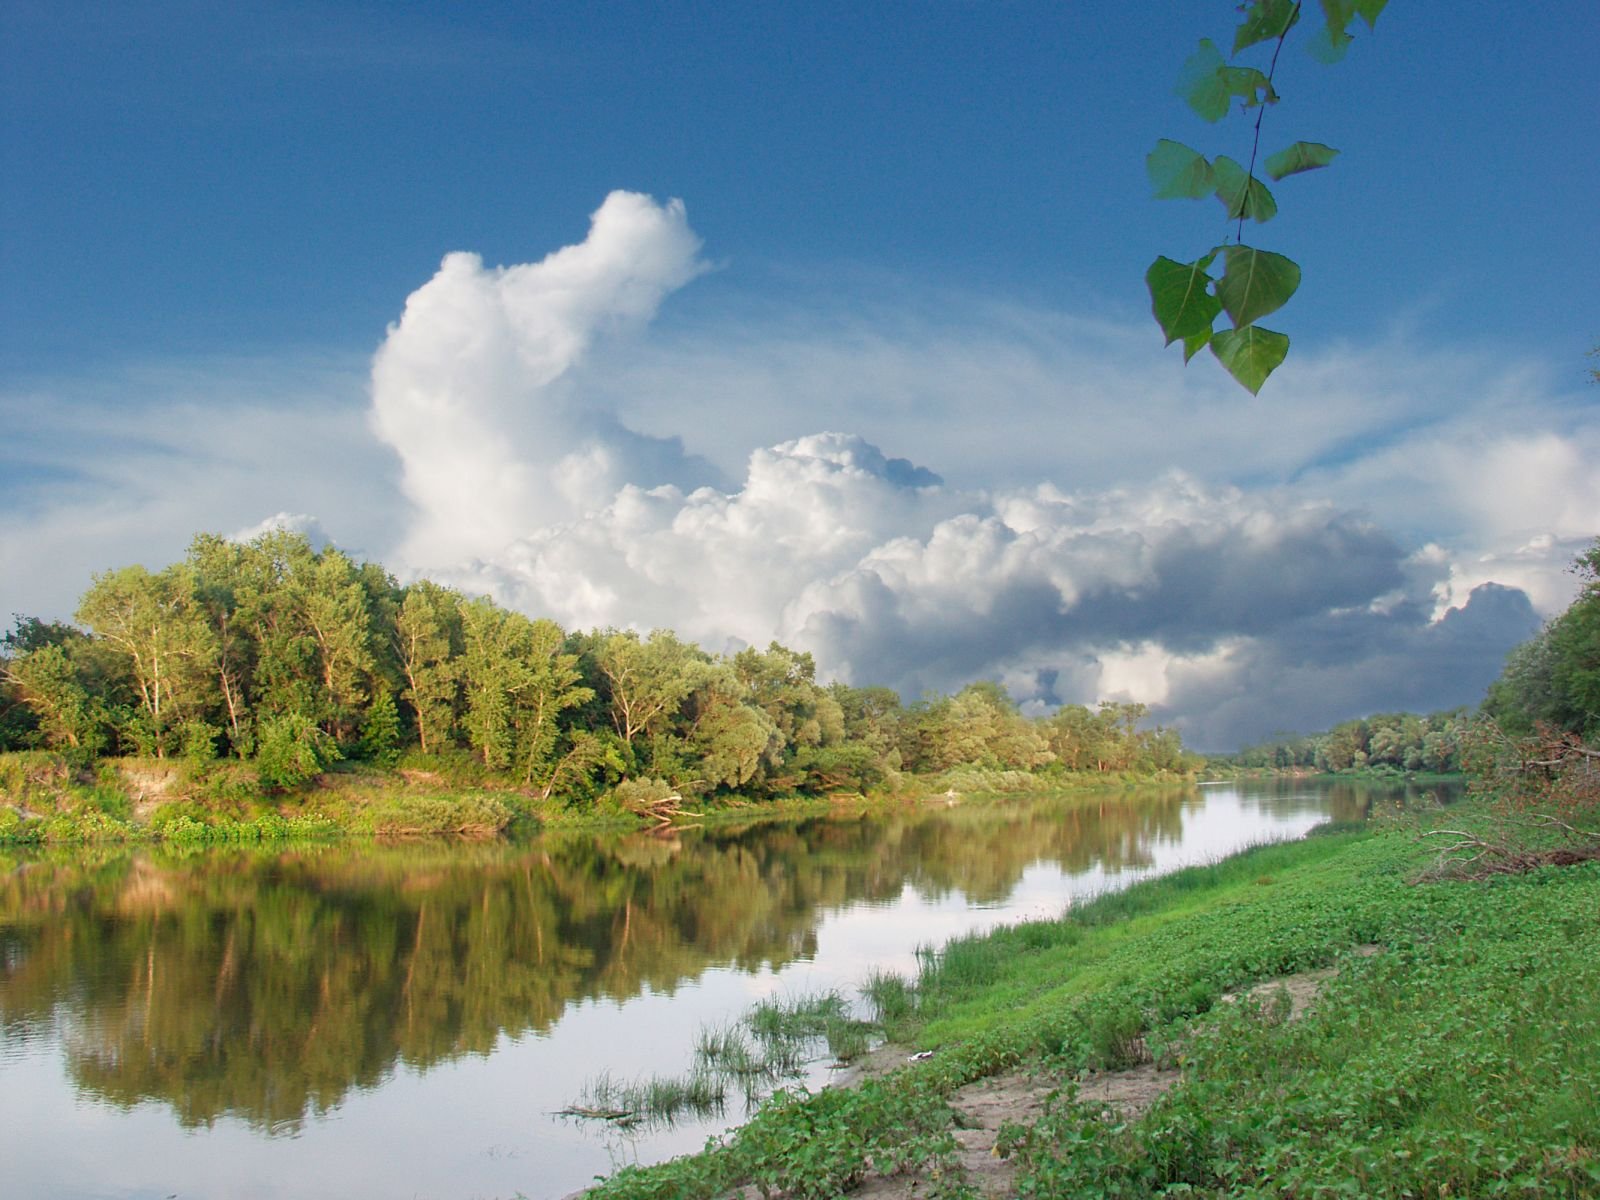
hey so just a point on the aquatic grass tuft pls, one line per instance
(771, 1044)
(788, 1029)
(653, 1102)
(889, 996)
(799, 1017)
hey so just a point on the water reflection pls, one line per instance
(268, 986)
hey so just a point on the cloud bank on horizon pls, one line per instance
(922, 486)
(1233, 611)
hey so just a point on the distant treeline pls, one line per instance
(1394, 741)
(1550, 685)
(291, 658)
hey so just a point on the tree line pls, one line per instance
(1549, 687)
(291, 658)
(1393, 741)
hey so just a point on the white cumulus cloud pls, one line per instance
(469, 385)
(1093, 521)
(1106, 534)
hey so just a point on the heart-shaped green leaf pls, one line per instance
(1250, 354)
(1242, 194)
(1255, 283)
(1192, 344)
(1200, 82)
(1177, 172)
(1208, 84)
(1302, 156)
(1180, 298)
(1265, 20)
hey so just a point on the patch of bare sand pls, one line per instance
(874, 1064)
(1302, 988)
(148, 784)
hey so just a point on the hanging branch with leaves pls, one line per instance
(1184, 296)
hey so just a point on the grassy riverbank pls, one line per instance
(45, 798)
(1454, 1050)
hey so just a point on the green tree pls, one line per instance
(66, 715)
(312, 616)
(283, 679)
(336, 608)
(293, 750)
(159, 629)
(489, 678)
(380, 732)
(1554, 679)
(783, 684)
(19, 720)
(978, 726)
(216, 564)
(1073, 737)
(733, 740)
(518, 681)
(427, 646)
(648, 680)
(872, 717)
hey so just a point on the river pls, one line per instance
(351, 1021)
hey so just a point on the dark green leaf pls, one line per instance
(1369, 10)
(1208, 84)
(1250, 85)
(1302, 156)
(1255, 283)
(1179, 297)
(1265, 20)
(1250, 354)
(1241, 194)
(1200, 82)
(1330, 42)
(1177, 172)
(1192, 343)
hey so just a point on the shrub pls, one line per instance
(293, 750)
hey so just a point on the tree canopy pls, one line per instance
(1554, 678)
(290, 658)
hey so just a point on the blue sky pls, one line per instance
(923, 226)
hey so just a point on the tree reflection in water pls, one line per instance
(267, 985)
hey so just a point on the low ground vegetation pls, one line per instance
(1453, 1048)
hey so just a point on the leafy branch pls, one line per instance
(1185, 297)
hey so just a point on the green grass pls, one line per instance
(1461, 1059)
(891, 998)
(45, 800)
(655, 1101)
(772, 1043)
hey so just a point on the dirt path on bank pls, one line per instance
(981, 1108)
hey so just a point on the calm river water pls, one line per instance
(346, 1022)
